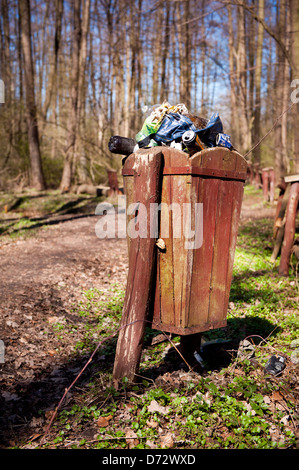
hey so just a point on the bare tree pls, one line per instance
(37, 177)
(294, 9)
(257, 84)
(67, 175)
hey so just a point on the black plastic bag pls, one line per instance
(209, 133)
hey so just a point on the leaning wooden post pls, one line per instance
(265, 181)
(113, 183)
(282, 186)
(250, 173)
(290, 228)
(146, 168)
(257, 180)
(271, 184)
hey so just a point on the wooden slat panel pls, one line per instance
(185, 290)
(217, 308)
(203, 257)
(138, 296)
(236, 210)
(179, 196)
(166, 260)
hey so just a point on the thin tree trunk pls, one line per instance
(7, 78)
(67, 175)
(79, 150)
(258, 74)
(281, 96)
(245, 137)
(37, 177)
(235, 131)
(165, 53)
(295, 74)
(51, 86)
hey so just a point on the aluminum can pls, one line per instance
(223, 140)
(190, 139)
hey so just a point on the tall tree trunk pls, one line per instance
(37, 177)
(67, 175)
(165, 53)
(52, 84)
(258, 74)
(79, 150)
(6, 75)
(295, 75)
(183, 12)
(281, 95)
(244, 119)
(235, 131)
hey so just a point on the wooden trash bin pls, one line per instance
(193, 281)
(198, 205)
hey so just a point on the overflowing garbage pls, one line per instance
(175, 127)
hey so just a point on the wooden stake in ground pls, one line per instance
(290, 227)
(146, 167)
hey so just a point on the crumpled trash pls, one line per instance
(153, 122)
(208, 134)
(223, 140)
(173, 126)
(166, 124)
(246, 350)
(275, 365)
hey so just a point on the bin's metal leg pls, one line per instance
(189, 344)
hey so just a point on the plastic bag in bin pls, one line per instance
(208, 135)
(173, 126)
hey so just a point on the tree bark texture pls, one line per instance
(37, 177)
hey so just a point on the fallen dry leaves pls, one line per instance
(103, 421)
(131, 438)
(154, 407)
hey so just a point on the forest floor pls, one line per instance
(62, 290)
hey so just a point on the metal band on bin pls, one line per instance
(196, 171)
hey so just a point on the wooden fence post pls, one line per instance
(265, 182)
(146, 189)
(257, 179)
(113, 183)
(290, 227)
(271, 184)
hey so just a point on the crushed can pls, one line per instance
(223, 140)
(191, 140)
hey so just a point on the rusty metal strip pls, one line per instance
(186, 170)
(197, 171)
(191, 330)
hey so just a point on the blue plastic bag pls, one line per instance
(173, 126)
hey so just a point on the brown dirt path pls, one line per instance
(41, 279)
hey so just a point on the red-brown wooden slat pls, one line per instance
(141, 269)
(166, 282)
(290, 229)
(235, 216)
(221, 248)
(203, 257)
(179, 253)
